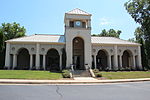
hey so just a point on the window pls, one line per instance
(83, 25)
(71, 23)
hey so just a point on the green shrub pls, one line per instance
(96, 71)
(66, 74)
(121, 69)
(127, 68)
(98, 74)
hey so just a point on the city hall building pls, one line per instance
(75, 48)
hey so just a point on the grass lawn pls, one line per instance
(28, 74)
(126, 75)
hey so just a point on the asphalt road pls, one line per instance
(114, 91)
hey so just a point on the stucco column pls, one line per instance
(69, 54)
(31, 61)
(67, 23)
(14, 61)
(95, 61)
(89, 24)
(139, 57)
(44, 61)
(37, 64)
(133, 59)
(109, 62)
(116, 58)
(60, 61)
(7, 56)
(120, 58)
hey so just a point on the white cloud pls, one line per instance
(104, 21)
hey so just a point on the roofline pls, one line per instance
(119, 39)
(137, 44)
(35, 42)
(32, 35)
(79, 14)
(18, 38)
(50, 34)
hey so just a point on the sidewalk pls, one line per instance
(81, 80)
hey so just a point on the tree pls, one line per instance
(110, 33)
(140, 12)
(103, 33)
(139, 37)
(131, 39)
(1, 40)
(9, 31)
(139, 34)
(13, 30)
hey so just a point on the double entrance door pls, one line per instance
(78, 62)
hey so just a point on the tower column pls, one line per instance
(89, 23)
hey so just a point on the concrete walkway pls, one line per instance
(85, 79)
(81, 80)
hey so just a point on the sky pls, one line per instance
(47, 16)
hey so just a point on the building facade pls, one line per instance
(75, 48)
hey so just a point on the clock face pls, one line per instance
(78, 23)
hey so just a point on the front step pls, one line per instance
(81, 73)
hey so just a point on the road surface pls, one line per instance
(113, 91)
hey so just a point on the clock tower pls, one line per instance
(78, 39)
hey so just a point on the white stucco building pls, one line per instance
(76, 46)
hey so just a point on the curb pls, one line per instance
(10, 81)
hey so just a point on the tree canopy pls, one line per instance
(9, 31)
(1, 40)
(140, 12)
(109, 33)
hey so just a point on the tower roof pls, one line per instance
(78, 11)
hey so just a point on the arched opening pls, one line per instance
(23, 59)
(78, 53)
(127, 59)
(52, 60)
(101, 60)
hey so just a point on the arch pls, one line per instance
(23, 59)
(78, 53)
(101, 59)
(52, 60)
(127, 59)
